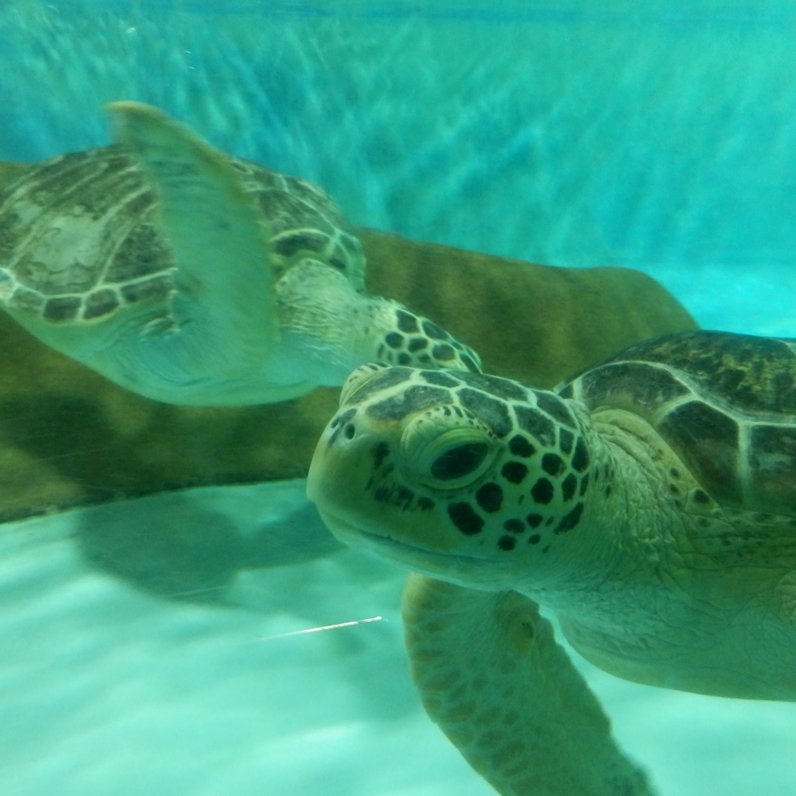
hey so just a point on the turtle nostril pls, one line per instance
(349, 432)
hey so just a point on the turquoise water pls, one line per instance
(564, 133)
(659, 140)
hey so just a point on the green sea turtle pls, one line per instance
(649, 503)
(193, 277)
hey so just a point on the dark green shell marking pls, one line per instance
(726, 403)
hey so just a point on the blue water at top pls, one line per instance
(566, 133)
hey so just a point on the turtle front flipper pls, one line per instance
(491, 675)
(225, 325)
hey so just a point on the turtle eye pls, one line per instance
(459, 461)
(445, 457)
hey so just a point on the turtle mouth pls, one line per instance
(417, 557)
(356, 535)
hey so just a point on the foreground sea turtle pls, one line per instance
(650, 503)
(193, 277)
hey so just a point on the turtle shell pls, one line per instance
(725, 403)
(78, 239)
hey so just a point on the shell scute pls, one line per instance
(753, 374)
(725, 403)
(707, 440)
(78, 240)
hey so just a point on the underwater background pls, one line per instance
(660, 137)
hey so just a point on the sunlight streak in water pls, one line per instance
(336, 626)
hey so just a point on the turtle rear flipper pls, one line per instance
(223, 306)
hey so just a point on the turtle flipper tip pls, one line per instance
(124, 115)
(153, 137)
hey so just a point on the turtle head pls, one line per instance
(467, 477)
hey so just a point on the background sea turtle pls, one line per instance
(650, 503)
(196, 278)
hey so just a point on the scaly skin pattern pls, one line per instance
(491, 675)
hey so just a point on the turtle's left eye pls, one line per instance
(446, 451)
(459, 461)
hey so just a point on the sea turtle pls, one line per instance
(193, 277)
(649, 503)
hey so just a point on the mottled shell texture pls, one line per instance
(78, 239)
(725, 403)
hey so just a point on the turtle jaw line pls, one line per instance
(386, 547)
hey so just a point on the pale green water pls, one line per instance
(661, 140)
